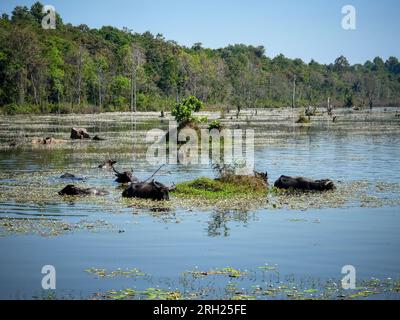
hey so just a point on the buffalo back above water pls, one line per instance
(147, 190)
(285, 182)
(72, 190)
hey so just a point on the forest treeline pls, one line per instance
(79, 69)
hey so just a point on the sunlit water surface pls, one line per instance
(301, 245)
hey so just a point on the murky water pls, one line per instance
(304, 247)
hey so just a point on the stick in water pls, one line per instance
(154, 173)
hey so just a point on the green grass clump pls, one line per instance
(216, 124)
(217, 188)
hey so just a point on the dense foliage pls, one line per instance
(75, 68)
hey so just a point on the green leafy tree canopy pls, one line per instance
(183, 111)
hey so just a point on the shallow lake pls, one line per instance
(295, 249)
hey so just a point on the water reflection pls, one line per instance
(219, 221)
(165, 240)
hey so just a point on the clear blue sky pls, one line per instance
(297, 28)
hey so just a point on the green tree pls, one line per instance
(36, 12)
(183, 111)
(119, 91)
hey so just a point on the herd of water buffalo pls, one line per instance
(151, 189)
(148, 189)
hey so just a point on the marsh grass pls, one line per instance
(228, 187)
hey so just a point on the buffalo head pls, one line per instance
(161, 190)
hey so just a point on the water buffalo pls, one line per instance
(285, 182)
(71, 177)
(108, 164)
(147, 190)
(79, 133)
(71, 190)
(124, 177)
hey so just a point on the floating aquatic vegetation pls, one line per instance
(268, 267)
(228, 271)
(350, 194)
(243, 297)
(310, 291)
(119, 295)
(160, 294)
(46, 296)
(30, 180)
(232, 288)
(361, 294)
(149, 294)
(47, 227)
(289, 288)
(127, 273)
(41, 188)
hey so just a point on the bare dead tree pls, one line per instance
(137, 60)
(294, 92)
(80, 63)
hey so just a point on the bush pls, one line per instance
(26, 108)
(216, 124)
(183, 111)
(303, 118)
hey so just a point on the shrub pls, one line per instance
(302, 118)
(183, 111)
(13, 109)
(216, 124)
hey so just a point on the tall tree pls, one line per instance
(138, 59)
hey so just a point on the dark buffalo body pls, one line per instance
(286, 182)
(70, 176)
(79, 133)
(147, 190)
(97, 138)
(71, 190)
